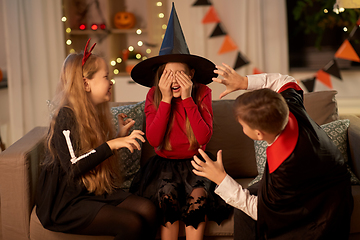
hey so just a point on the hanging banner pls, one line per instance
(332, 69)
(202, 3)
(211, 16)
(241, 60)
(324, 78)
(228, 45)
(218, 31)
(346, 51)
(309, 84)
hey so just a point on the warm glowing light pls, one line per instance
(144, 58)
(162, 36)
(116, 71)
(118, 60)
(138, 56)
(131, 48)
(148, 51)
(140, 43)
(82, 27)
(326, 11)
(68, 42)
(103, 26)
(161, 15)
(138, 31)
(112, 63)
(94, 27)
(63, 19)
(159, 4)
(345, 29)
(113, 81)
(68, 30)
(341, 9)
(72, 50)
(164, 26)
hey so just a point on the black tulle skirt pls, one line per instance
(169, 183)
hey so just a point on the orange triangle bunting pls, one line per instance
(211, 16)
(324, 78)
(227, 46)
(346, 51)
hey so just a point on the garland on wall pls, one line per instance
(349, 50)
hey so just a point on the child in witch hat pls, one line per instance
(179, 121)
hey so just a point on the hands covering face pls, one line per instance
(175, 84)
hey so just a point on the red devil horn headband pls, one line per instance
(86, 52)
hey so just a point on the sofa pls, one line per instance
(19, 166)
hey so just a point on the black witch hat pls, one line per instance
(173, 49)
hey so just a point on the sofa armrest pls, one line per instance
(354, 140)
(18, 174)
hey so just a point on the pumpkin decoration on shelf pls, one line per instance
(124, 20)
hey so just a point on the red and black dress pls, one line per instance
(167, 178)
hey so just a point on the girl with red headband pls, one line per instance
(78, 189)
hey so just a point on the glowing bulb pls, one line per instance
(138, 56)
(144, 58)
(161, 15)
(164, 26)
(341, 9)
(345, 29)
(68, 42)
(116, 71)
(112, 63)
(63, 19)
(113, 81)
(140, 43)
(131, 48)
(148, 51)
(118, 60)
(68, 30)
(325, 10)
(138, 32)
(159, 4)
(72, 50)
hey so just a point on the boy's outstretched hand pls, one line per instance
(212, 170)
(231, 79)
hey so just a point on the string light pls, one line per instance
(118, 60)
(113, 63)
(138, 31)
(345, 29)
(68, 30)
(161, 15)
(116, 71)
(68, 42)
(164, 26)
(326, 11)
(63, 19)
(159, 4)
(131, 48)
(140, 43)
(148, 51)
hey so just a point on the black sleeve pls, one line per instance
(65, 121)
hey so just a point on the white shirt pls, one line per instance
(229, 190)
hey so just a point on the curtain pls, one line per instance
(257, 27)
(35, 50)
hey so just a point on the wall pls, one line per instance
(4, 98)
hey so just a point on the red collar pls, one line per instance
(284, 145)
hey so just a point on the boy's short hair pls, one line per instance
(262, 109)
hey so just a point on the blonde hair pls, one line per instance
(262, 109)
(93, 122)
(195, 94)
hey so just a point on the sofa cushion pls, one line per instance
(238, 149)
(336, 130)
(321, 106)
(129, 162)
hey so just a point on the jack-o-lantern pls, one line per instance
(124, 20)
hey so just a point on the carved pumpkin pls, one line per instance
(124, 20)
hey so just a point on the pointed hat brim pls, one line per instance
(173, 49)
(144, 72)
